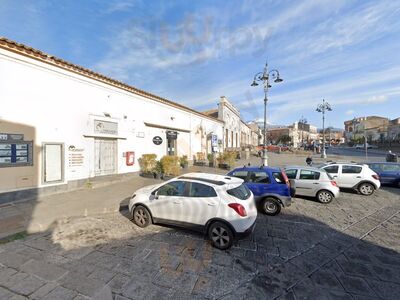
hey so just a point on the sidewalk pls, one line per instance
(104, 196)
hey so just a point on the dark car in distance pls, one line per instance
(270, 186)
(389, 172)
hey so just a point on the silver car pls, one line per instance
(313, 182)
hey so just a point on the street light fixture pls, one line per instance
(302, 121)
(265, 78)
(322, 108)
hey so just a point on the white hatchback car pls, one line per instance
(221, 206)
(313, 182)
(354, 176)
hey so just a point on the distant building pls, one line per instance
(236, 133)
(375, 128)
(393, 133)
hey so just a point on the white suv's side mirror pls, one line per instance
(156, 195)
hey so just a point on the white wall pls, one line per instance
(61, 107)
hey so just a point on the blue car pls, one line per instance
(270, 186)
(388, 172)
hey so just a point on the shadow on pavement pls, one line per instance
(292, 255)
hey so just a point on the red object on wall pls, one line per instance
(130, 158)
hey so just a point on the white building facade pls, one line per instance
(61, 123)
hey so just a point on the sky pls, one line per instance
(192, 52)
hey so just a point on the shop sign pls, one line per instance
(157, 140)
(172, 135)
(11, 137)
(214, 140)
(105, 127)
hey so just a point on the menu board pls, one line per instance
(15, 154)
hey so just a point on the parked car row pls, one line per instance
(225, 206)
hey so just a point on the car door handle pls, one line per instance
(315, 183)
(177, 202)
(358, 177)
(211, 204)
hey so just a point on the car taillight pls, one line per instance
(375, 177)
(334, 183)
(238, 208)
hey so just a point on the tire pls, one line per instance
(270, 206)
(324, 196)
(220, 235)
(366, 189)
(141, 216)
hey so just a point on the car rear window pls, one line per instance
(279, 177)
(259, 177)
(241, 192)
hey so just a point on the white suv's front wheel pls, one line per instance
(141, 216)
(366, 189)
(220, 235)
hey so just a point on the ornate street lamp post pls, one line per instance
(323, 107)
(265, 77)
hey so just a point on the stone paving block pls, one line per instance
(193, 265)
(144, 269)
(80, 267)
(81, 297)
(41, 244)
(81, 284)
(43, 270)
(166, 278)
(326, 280)
(243, 265)
(355, 285)
(386, 290)
(307, 290)
(18, 297)
(13, 280)
(138, 289)
(386, 273)
(27, 286)
(5, 294)
(318, 255)
(102, 274)
(119, 297)
(202, 286)
(304, 264)
(222, 259)
(162, 259)
(12, 259)
(43, 291)
(356, 269)
(60, 293)
(117, 282)
(105, 260)
(32, 253)
(6, 273)
(288, 296)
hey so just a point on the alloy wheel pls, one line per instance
(324, 197)
(140, 216)
(220, 236)
(366, 189)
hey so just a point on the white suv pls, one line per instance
(221, 206)
(354, 176)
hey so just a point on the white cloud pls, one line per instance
(350, 112)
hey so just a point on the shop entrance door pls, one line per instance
(105, 156)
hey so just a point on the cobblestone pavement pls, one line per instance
(348, 249)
